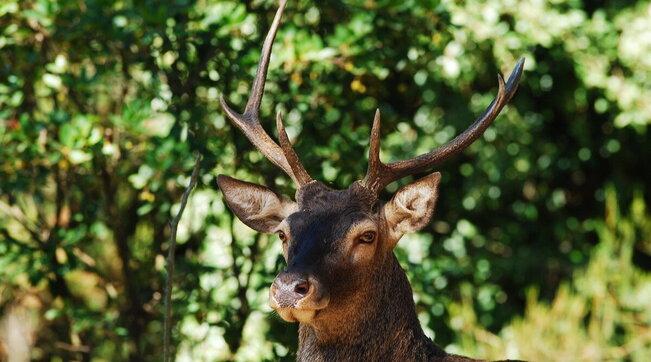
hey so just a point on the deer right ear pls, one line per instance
(258, 207)
(412, 207)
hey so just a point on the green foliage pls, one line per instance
(103, 102)
(602, 314)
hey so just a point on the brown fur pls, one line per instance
(363, 307)
(342, 281)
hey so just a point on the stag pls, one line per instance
(343, 283)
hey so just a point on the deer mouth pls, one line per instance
(298, 312)
(297, 301)
(296, 315)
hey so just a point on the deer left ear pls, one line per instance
(412, 207)
(258, 207)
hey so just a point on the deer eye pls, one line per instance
(367, 238)
(282, 236)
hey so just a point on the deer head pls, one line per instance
(338, 244)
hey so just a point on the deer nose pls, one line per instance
(289, 288)
(301, 287)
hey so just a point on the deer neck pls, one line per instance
(378, 325)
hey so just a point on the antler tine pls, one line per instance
(290, 155)
(375, 166)
(374, 147)
(249, 122)
(257, 89)
(379, 175)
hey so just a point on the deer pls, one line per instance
(343, 283)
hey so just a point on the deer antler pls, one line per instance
(379, 174)
(249, 121)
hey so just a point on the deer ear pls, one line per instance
(412, 207)
(258, 207)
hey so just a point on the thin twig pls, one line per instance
(167, 322)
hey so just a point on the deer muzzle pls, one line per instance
(297, 297)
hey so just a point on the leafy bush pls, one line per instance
(602, 314)
(103, 102)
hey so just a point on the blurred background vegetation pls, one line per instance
(541, 244)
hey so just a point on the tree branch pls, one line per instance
(167, 323)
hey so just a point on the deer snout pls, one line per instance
(288, 289)
(292, 293)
